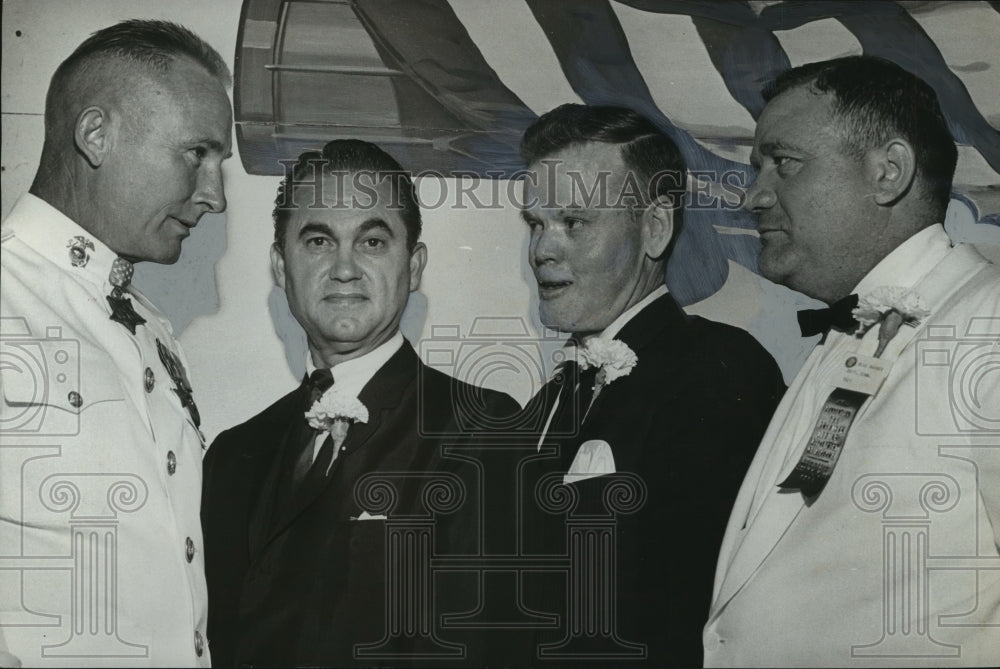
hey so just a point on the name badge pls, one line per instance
(862, 374)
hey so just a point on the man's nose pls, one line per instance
(211, 191)
(760, 195)
(344, 266)
(546, 245)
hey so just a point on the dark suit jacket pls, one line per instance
(687, 420)
(297, 581)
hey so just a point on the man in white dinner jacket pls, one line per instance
(866, 531)
(101, 558)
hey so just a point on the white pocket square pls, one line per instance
(594, 458)
(367, 516)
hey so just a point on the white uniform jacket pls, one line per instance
(100, 464)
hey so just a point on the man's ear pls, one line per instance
(418, 261)
(657, 227)
(278, 266)
(92, 135)
(895, 168)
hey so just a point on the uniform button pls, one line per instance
(150, 380)
(171, 463)
(199, 643)
(712, 641)
(190, 548)
(75, 400)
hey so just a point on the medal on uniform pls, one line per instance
(182, 387)
(122, 310)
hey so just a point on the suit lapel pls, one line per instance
(381, 395)
(751, 547)
(262, 515)
(643, 329)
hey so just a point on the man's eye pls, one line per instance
(199, 152)
(781, 161)
(373, 243)
(317, 242)
(574, 223)
(533, 224)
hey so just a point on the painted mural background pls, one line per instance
(409, 75)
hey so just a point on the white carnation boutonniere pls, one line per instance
(334, 412)
(612, 358)
(890, 307)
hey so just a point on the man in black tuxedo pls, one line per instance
(295, 525)
(660, 406)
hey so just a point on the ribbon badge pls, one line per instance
(860, 378)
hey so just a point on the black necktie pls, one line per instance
(319, 382)
(575, 394)
(837, 316)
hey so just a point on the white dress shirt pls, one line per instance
(351, 376)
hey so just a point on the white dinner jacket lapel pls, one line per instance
(743, 552)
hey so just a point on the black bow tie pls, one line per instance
(837, 316)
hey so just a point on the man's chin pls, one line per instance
(555, 320)
(348, 333)
(162, 257)
(771, 267)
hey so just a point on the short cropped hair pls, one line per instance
(145, 43)
(876, 100)
(155, 44)
(343, 157)
(645, 150)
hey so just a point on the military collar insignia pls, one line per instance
(175, 368)
(78, 245)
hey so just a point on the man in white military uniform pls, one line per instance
(866, 531)
(100, 457)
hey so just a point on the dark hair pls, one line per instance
(876, 100)
(646, 151)
(342, 157)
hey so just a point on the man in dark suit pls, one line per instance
(296, 511)
(654, 424)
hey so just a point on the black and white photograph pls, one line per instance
(500, 333)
